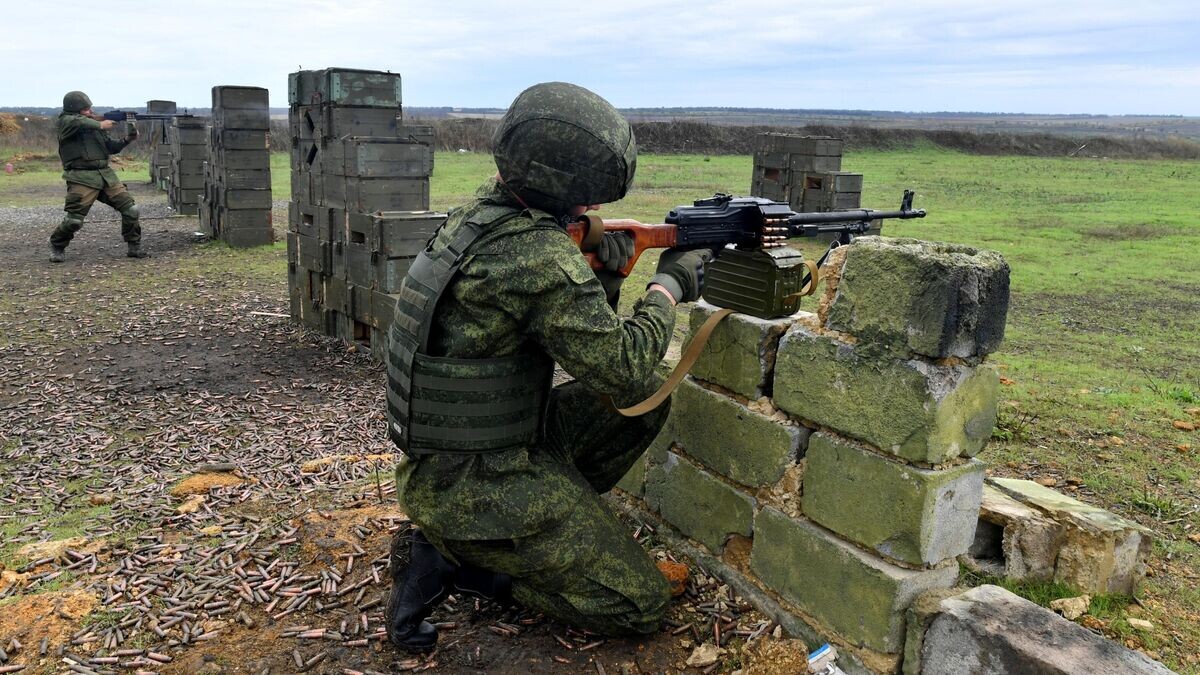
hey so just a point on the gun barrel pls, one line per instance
(851, 216)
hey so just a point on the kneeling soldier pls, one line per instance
(84, 146)
(502, 471)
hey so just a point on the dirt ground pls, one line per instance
(121, 378)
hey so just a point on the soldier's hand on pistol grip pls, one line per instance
(105, 125)
(131, 132)
(614, 252)
(682, 273)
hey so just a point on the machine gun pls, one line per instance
(758, 276)
(125, 116)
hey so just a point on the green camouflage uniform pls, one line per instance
(535, 512)
(84, 149)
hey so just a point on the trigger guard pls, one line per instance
(594, 233)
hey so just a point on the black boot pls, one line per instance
(136, 251)
(418, 587)
(58, 253)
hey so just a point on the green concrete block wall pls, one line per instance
(916, 516)
(698, 504)
(910, 408)
(729, 438)
(854, 593)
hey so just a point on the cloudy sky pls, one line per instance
(1038, 56)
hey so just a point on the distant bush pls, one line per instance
(689, 137)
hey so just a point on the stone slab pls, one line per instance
(1101, 552)
(913, 515)
(1015, 540)
(990, 631)
(745, 446)
(740, 353)
(854, 593)
(698, 504)
(932, 298)
(911, 408)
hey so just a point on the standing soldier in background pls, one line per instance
(84, 146)
(502, 472)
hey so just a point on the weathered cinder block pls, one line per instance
(911, 408)
(990, 631)
(1101, 552)
(634, 480)
(729, 438)
(1014, 540)
(740, 354)
(913, 515)
(699, 505)
(857, 595)
(932, 298)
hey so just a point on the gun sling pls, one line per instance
(695, 347)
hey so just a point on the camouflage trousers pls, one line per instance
(79, 201)
(585, 570)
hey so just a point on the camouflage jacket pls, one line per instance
(84, 148)
(526, 281)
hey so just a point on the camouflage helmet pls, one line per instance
(76, 101)
(560, 145)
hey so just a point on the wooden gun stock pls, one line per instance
(588, 231)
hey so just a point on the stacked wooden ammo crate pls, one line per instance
(237, 189)
(185, 179)
(360, 198)
(805, 172)
(155, 134)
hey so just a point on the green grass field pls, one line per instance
(1102, 354)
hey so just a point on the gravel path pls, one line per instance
(192, 483)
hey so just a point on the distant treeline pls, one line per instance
(686, 137)
(689, 137)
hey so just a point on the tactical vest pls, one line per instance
(453, 405)
(85, 149)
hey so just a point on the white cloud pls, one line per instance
(1106, 55)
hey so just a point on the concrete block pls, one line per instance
(1014, 540)
(990, 631)
(740, 354)
(913, 515)
(729, 438)
(634, 480)
(910, 408)
(857, 595)
(934, 299)
(1101, 552)
(698, 504)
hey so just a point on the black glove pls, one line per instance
(131, 132)
(682, 273)
(614, 251)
